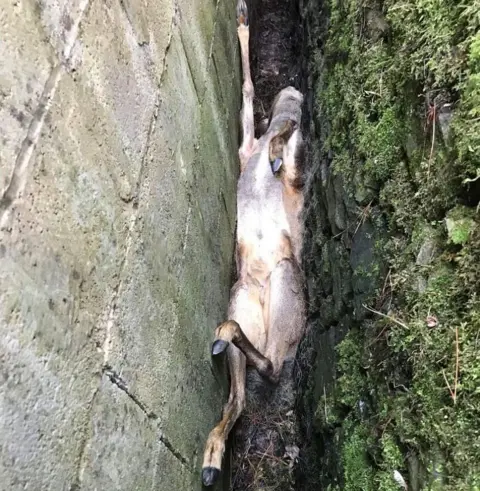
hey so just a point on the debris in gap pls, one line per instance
(400, 480)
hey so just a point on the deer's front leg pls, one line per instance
(246, 115)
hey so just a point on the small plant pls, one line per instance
(460, 224)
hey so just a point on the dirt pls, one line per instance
(266, 438)
(266, 448)
(275, 51)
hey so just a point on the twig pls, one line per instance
(257, 468)
(448, 385)
(264, 113)
(386, 424)
(467, 180)
(385, 282)
(453, 393)
(378, 337)
(457, 356)
(244, 457)
(361, 221)
(382, 296)
(325, 403)
(433, 141)
(386, 316)
(340, 233)
(269, 456)
(363, 217)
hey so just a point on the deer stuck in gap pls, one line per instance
(266, 314)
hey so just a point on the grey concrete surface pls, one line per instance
(118, 163)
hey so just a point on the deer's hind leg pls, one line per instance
(245, 309)
(248, 127)
(286, 314)
(215, 446)
(292, 161)
(246, 328)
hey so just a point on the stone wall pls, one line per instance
(342, 263)
(118, 125)
(392, 247)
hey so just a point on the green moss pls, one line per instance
(374, 89)
(380, 143)
(466, 124)
(460, 224)
(360, 470)
(351, 383)
(392, 457)
(390, 69)
(359, 474)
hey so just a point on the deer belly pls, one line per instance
(264, 237)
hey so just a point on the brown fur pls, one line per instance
(267, 306)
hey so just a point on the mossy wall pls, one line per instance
(393, 255)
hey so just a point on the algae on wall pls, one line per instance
(396, 157)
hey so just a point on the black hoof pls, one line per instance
(276, 165)
(209, 475)
(219, 346)
(242, 13)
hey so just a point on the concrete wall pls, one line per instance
(118, 144)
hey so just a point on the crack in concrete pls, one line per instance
(18, 178)
(190, 71)
(224, 202)
(117, 380)
(175, 15)
(168, 445)
(217, 6)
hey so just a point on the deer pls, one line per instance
(266, 312)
